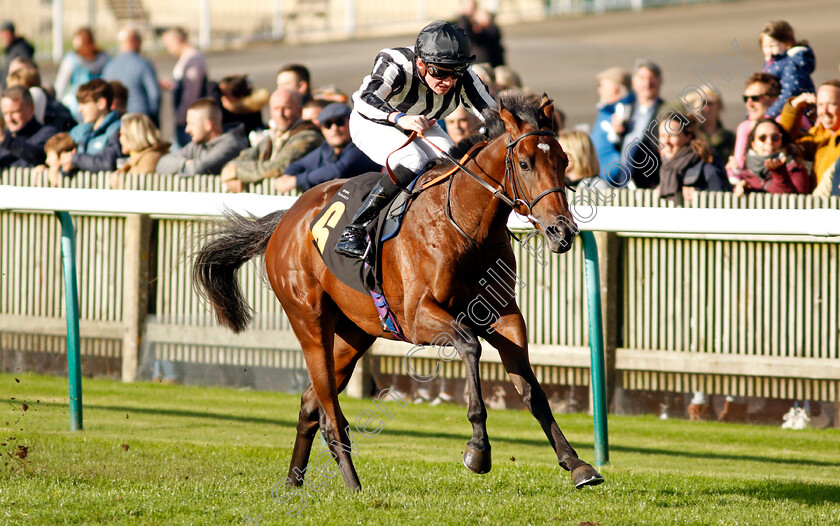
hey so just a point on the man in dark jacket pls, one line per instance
(24, 138)
(13, 46)
(486, 37)
(336, 158)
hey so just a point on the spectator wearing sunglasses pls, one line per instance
(772, 165)
(336, 158)
(761, 91)
(410, 90)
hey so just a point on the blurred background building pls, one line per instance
(48, 24)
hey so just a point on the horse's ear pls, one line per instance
(546, 113)
(510, 120)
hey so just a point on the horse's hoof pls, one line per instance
(477, 461)
(585, 475)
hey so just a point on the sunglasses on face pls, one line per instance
(440, 72)
(773, 138)
(337, 122)
(754, 98)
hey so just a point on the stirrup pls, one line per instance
(352, 243)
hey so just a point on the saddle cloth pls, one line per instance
(364, 276)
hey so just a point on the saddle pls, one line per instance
(362, 275)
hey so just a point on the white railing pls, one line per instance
(78, 200)
(815, 222)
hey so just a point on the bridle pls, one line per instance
(511, 178)
(516, 186)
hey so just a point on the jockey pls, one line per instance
(409, 90)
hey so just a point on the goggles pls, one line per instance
(440, 72)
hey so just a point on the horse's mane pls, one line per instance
(523, 109)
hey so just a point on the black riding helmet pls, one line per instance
(444, 43)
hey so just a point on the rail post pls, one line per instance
(71, 295)
(596, 347)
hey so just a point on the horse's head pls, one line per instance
(535, 169)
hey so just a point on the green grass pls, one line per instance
(211, 456)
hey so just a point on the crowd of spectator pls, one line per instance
(789, 141)
(102, 113)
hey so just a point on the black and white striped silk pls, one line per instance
(394, 85)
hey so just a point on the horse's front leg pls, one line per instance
(440, 328)
(510, 340)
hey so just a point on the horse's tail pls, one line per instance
(239, 239)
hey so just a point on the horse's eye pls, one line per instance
(523, 165)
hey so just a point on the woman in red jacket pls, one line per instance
(773, 163)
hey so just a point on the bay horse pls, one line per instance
(431, 272)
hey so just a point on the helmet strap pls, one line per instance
(422, 69)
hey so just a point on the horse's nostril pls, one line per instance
(553, 231)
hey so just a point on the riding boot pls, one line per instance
(353, 240)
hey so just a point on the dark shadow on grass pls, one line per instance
(465, 436)
(614, 448)
(773, 490)
(720, 456)
(221, 417)
(420, 434)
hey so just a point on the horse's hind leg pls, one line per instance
(349, 345)
(306, 429)
(510, 340)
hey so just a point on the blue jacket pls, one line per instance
(97, 149)
(608, 150)
(321, 165)
(26, 147)
(138, 75)
(793, 69)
